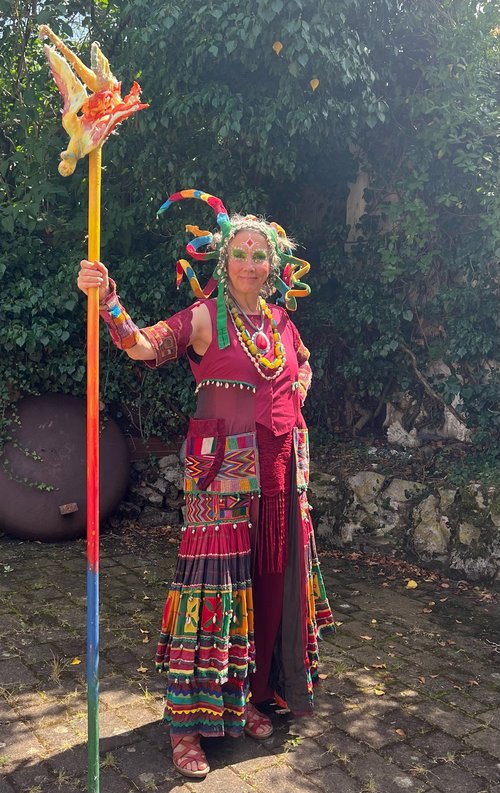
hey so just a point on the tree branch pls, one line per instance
(427, 386)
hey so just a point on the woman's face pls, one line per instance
(248, 264)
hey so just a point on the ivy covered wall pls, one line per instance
(404, 93)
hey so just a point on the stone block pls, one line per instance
(402, 490)
(377, 774)
(366, 728)
(487, 740)
(281, 778)
(449, 721)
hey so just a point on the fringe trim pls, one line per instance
(271, 545)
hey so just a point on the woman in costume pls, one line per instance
(247, 604)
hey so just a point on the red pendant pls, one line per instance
(262, 342)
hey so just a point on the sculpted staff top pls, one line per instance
(88, 120)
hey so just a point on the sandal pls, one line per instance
(186, 753)
(257, 725)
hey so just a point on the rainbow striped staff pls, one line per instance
(88, 120)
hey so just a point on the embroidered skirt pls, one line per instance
(207, 644)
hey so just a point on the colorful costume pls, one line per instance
(247, 603)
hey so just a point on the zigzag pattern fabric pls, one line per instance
(222, 465)
(207, 638)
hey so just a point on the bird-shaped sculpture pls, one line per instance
(88, 120)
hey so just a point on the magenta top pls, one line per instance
(275, 404)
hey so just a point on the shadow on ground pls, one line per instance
(408, 700)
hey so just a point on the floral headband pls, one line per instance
(287, 283)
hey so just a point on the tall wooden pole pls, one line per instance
(94, 253)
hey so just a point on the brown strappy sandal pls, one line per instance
(257, 725)
(186, 751)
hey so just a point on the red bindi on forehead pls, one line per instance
(249, 243)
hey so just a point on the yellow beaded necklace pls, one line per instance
(251, 348)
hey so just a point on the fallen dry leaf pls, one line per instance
(421, 680)
(444, 585)
(323, 676)
(427, 611)
(400, 732)
(142, 668)
(472, 682)
(379, 666)
(367, 638)
(374, 622)
(379, 692)
(411, 584)
(75, 662)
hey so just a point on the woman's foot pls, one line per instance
(188, 756)
(257, 725)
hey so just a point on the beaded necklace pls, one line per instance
(251, 349)
(259, 338)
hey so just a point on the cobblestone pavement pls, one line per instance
(409, 698)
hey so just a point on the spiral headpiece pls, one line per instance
(286, 282)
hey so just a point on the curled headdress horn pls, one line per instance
(288, 284)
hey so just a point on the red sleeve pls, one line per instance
(170, 338)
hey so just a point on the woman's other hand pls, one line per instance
(93, 274)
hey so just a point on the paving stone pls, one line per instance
(113, 732)
(375, 771)
(334, 779)
(336, 737)
(370, 703)
(283, 779)
(110, 781)
(370, 656)
(486, 695)
(365, 728)
(465, 703)
(488, 740)
(400, 720)
(409, 759)
(308, 756)
(339, 744)
(450, 721)
(346, 641)
(482, 765)
(144, 765)
(491, 718)
(437, 745)
(447, 777)
(14, 674)
(308, 727)
(139, 715)
(69, 762)
(223, 780)
(245, 755)
(115, 694)
(20, 744)
(29, 774)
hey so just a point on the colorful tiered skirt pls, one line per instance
(207, 641)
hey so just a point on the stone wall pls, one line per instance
(457, 529)
(454, 528)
